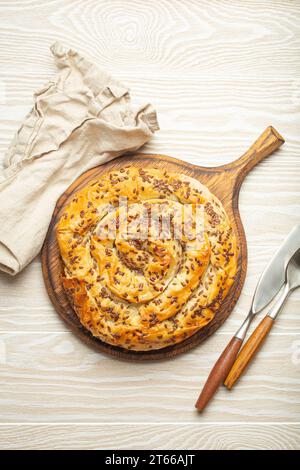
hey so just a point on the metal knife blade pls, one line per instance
(273, 275)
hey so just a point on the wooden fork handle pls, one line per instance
(219, 372)
(248, 351)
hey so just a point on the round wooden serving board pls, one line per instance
(224, 181)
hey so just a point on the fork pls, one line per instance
(255, 341)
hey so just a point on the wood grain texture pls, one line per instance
(55, 378)
(249, 350)
(217, 72)
(223, 181)
(159, 437)
(218, 373)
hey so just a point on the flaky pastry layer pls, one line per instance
(144, 292)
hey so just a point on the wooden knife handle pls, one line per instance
(248, 351)
(219, 372)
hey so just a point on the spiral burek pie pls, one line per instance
(148, 256)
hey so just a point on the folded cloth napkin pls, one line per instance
(79, 120)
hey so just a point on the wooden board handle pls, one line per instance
(248, 351)
(269, 141)
(219, 372)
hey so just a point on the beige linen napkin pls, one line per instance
(79, 120)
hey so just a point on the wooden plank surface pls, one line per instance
(55, 378)
(141, 436)
(218, 73)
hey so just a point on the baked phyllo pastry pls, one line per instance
(148, 255)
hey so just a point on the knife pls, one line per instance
(259, 335)
(270, 282)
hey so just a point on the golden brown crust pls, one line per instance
(147, 292)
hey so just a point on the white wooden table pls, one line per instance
(218, 73)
